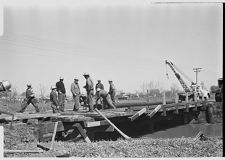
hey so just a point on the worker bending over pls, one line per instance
(107, 102)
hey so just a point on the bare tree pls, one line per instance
(42, 90)
(174, 89)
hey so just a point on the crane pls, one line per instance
(183, 84)
(190, 90)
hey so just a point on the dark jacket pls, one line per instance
(29, 93)
(112, 89)
(60, 87)
(53, 98)
(89, 84)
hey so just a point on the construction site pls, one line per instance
(111, 79)
(128, 120)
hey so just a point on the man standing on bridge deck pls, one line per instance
(90, 91)
(99, 85)
(107, 102)
(30, 98)
(112, 90)
(54, 100)
(61, 93)
(75, 89)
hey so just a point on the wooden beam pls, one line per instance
(124, 135)
(164, 111)
(82, 132)
(53, 136)
(23, 151)
(198, 135)
(153, 112)
(138, 114)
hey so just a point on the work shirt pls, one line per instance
(53, 98)
(101, 93)
(60, 87)
(89, 84)
(29, 93)
(112, 89)
(75, 89)
(99, 85)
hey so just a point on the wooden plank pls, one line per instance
(121, 133)
(23, 151)
(154, 111)
(53, 137)
(71, 118)
(138, 114)
(82, 132)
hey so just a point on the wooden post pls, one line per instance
(195, 99)
(53, 136)
(164, 103)
(176, 104)
(147, 95)
(187, 105)
(164, 98)
(82, 132)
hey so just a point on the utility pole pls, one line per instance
(196, 70)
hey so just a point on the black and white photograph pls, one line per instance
(111, 79)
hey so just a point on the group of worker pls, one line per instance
(58, 95)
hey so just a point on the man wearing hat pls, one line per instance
(107, 102)
(112, 90)
(61, 93)
(30, 98)
(75, 89)
(99, 85)
(90, 91)
(54, 100)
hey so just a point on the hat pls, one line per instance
(76, 78)
(86, 74)
(61, 77)
(28, 84)
(53, 87)
(99, 80)
(110, 80)
(98, 89)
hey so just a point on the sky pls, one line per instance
(123, 42)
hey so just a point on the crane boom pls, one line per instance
(183, 84)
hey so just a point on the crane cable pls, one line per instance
(167, 75)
